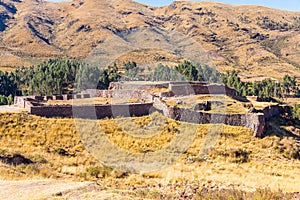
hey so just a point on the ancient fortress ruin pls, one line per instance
(151, 97)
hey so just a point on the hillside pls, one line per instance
(259, 41)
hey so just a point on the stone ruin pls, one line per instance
(150, 102)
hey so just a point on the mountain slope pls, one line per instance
(259, 41)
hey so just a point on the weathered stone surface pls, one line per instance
(194, 89)
(200, 106)
(93, 111)
(136, 86)
(254, 121)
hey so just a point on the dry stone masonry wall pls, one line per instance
(93, 111)
(254, 121)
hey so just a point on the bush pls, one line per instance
(6, 100)
(232, 155)
(61, 151)
(93, 171)
(235, 194)
(99, 172)
(3, 100)
(296, 111)
(10, 100)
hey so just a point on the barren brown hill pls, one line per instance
(259, 41)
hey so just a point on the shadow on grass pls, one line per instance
(276, 126)
(241, 99)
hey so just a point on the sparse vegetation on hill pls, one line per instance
(234, 37)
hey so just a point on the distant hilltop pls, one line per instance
(260, 42)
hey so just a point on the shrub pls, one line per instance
(10, 100)
(296, 111)
(61, 151)
(93, 171)
(232, 155)
(3, 100)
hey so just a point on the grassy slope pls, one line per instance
(224, 32)
(237, 160)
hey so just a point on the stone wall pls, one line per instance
(139, 90)
(21, 101)
(187, 82)
(27, 104)
(98, 93)
(272, 111)
(93, 111)
(254, 121)
(121, 94)
(192, 89)
(132, 94)
(52, 111)
(137, 85)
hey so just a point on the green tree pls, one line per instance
(88, 77)
(165, 73)
(289, 85)
(188, 71)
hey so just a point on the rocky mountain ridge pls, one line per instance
(260, 42)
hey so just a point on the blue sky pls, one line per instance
(293, 5)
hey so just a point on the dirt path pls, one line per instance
(12, 109)
(48, 189)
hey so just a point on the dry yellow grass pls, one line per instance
(236, 159)
(230, 106)
(135, 137)
(261, 105)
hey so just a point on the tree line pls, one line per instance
(7, 87)
(54, 77)
(186, 71)
(59, 76)
(265, 89)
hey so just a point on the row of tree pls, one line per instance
(8, 84)
(187, 71)
(58, 76)
(55, 76)
(8, 87)
(91, 77)
(182, 72)
(265, 89)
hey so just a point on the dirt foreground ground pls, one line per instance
(53, 189)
